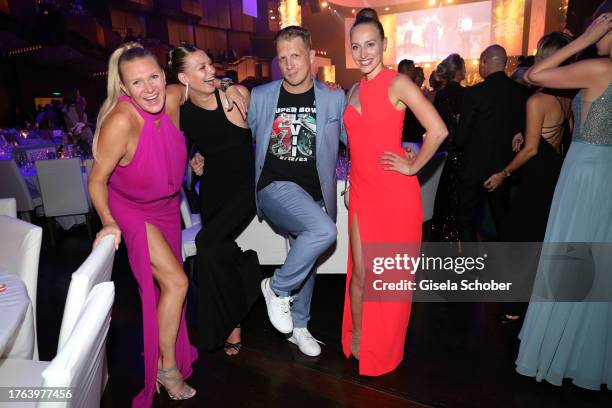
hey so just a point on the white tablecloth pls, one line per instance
(14, 302)
(31, 179)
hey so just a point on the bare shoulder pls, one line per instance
(594, 69)
(401, 81)
(537, 102)
(174, 94)
(119, 123)
(602, 69)
(174, 89)
(402, 91)
(602, 66)
(538, 97)
(354, 90)
(402, 85)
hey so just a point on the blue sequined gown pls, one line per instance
(569, 339)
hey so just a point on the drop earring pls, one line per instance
(186, 92)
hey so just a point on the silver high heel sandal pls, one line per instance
(165, 380)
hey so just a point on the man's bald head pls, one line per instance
(492, 59)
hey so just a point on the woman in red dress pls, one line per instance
(385, 200)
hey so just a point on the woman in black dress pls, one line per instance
(548, 130)
(449, 102)
(228, 278)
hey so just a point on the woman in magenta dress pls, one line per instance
(140, 158)
(385, 197)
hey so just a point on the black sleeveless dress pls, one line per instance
(228, 279)
(531, 202)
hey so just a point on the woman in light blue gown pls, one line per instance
(574, 339)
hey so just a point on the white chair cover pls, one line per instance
(13, 185)
(192, 227)
(19, 255)
(61, 187)
(271, 247)
(8, 206)
(334, 259)
(80, 363)
(188, 236)
(189, 219)
(14, 304)
(21, 373)
(97, 268)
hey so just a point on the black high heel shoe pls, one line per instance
(233, 346)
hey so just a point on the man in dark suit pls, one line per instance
(413, 130)
(493, 113)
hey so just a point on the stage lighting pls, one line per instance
(324, 4)
(432, 2)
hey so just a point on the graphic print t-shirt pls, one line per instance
(291, 152)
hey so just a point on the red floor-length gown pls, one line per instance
(146, 191)
(387, 207)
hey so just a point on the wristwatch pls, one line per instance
(226, 83)
(506, 173)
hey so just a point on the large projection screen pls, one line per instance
(431, 34)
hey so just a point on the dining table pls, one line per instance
(29, 146)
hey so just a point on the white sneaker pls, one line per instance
(278, 307)
(307, 344)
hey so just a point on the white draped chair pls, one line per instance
(19, 255)
(96, 269)
(193, 224)
(63, 191)
(271, 247)
(8, 206)
(14, 186)
(189, 219)
(79, 364)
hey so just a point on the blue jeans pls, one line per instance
(289, 208)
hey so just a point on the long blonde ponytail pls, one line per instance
(113, 90)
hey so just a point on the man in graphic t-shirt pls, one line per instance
(297, 125)
(291, 150)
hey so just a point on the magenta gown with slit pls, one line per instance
(146, 191)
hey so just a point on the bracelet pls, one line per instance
(506, 173)
(226, 83)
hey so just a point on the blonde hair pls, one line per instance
(113, 88)
(551, 43)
